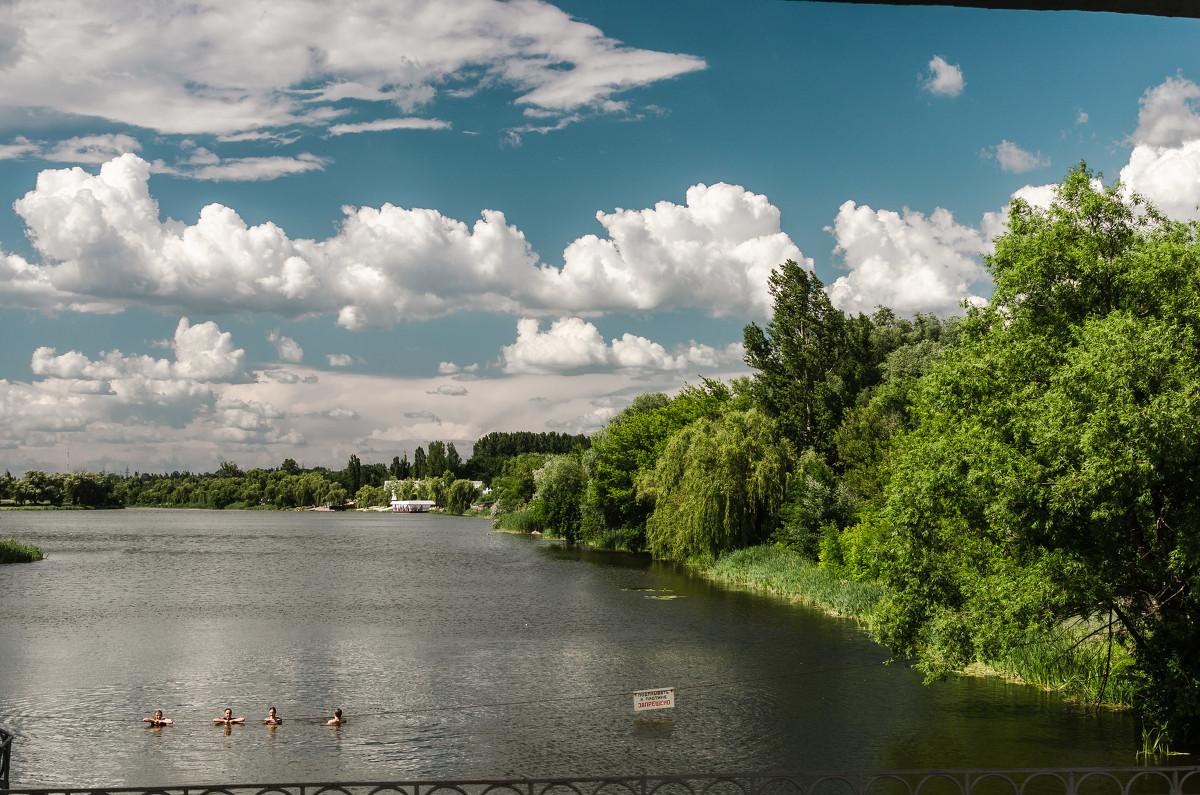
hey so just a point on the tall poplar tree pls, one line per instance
(800, 358)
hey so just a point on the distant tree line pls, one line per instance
(437, 472)
(80, 489)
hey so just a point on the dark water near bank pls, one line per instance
(498, 656)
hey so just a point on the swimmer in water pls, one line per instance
(158, 719)
(228, 718)
(337, 719)
(272, 719)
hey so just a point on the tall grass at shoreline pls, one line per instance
(12, 551)
(518, 522)
(787, 573)
(1075, 661)
(1083, 664)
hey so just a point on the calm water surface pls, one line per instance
(494, 655)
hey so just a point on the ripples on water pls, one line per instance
(453, 629)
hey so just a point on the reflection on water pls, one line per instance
(456, 653)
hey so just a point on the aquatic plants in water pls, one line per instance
(13, 551)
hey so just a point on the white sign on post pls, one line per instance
(654, 699)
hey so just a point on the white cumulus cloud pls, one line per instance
(288, 349)
(203, 354)
(715, 252)
(104, 248)
(907, 261)
(943, 79)
(572, 343)
(1164, 165)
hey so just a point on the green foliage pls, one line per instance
(1051, 473)
(524, 521)
(435, 459)
(372, 496)
(459, 497)
(718, 486)
(816, 501)
(631, 443)
(515, 486)
(1084, 660)
(809, 359)
(856, 553)
(561, 483)
(491, 450)
(788, 573)
(13, 551)
(78, 489)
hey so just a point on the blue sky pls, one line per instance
(247, 232)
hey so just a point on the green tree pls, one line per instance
(435, 459)
(561, 485)
(220, 492)
(718, 486)
(1051, 473)
(515, 486)
(91, 490)
(869, 430)
(453, 459)
(36, 487)
(418, 466)
(352, 475)
(631, 443)
(817, 503)
(229, 469)
(459, 497)
(798, 358)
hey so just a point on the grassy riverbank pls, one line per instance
(1080, 660)
(12, 551)
(786, 573)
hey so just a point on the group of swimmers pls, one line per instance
(227, 718)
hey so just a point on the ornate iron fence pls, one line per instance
(1091, 781)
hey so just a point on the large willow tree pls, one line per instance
(718, 486)
(1054, 472)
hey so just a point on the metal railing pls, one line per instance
(5, 752)
(1041, 781)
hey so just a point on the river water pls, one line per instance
(490, 655)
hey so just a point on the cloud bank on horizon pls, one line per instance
(171, 99)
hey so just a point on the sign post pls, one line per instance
(663, 698)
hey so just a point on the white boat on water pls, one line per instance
(411, 506)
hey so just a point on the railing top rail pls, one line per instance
(968, 776)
